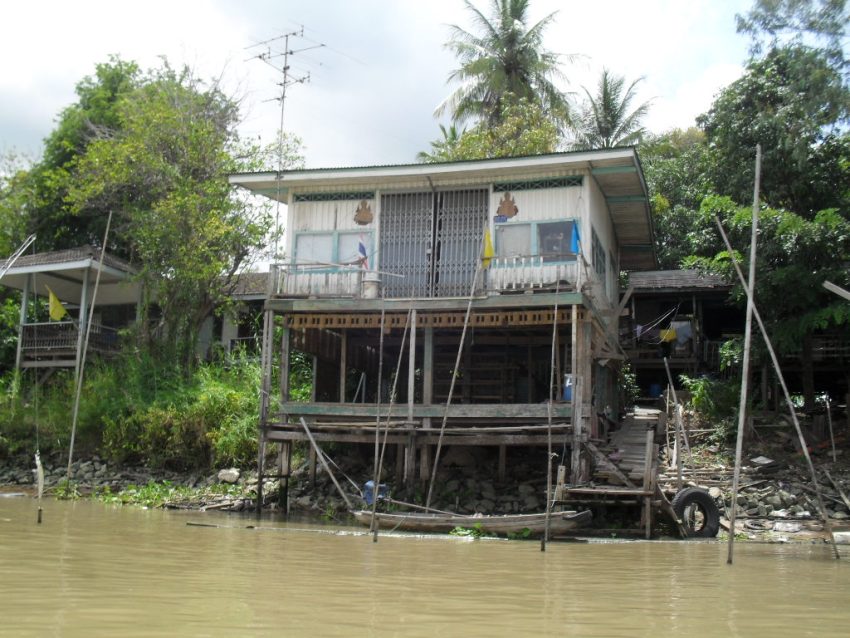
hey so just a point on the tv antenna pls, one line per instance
(269, 56)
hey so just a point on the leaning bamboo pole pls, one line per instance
(79, 379)
(826, 522)
(373, 527)
(545, 538)
(380, 459)
(478, 269)
(745, 371)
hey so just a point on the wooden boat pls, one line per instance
(490, 524)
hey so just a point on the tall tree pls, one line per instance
(794, 103)
(607, 118)
(163, 170)
(501, 60)
(777, 22)
(93, 116)
(444, 149)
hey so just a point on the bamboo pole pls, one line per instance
(79, 376)
(373, 527)
(545, 538)
(829, 422)
(781, 378)
(325, 465)
(373, 523)
(436, 463)
(678, 446)
(745, 372)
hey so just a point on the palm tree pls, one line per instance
(442, 150)
(504, 61)
(605, 120)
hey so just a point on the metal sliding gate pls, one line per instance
(433, 239)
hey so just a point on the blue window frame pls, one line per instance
(326, 249)
(550, 239)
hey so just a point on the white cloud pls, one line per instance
(374, 87)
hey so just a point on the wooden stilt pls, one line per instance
(311, 468)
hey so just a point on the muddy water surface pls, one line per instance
(96, 570)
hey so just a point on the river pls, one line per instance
(99, 570)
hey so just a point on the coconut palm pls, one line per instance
(605, 119)
(503, 59)
(442, 150)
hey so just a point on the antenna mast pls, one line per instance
(287, 80)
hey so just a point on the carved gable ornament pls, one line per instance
(507, 207)
(363, 214)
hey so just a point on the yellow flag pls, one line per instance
(487, 253)
(55, 307)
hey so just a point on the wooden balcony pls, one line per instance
(54, 344)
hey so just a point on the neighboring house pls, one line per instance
(372, 250)
(682, 315)
(71, 276)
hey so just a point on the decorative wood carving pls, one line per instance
(507, 207)
(363, 214)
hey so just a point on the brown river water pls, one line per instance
(99, 570)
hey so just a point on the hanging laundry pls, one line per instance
(684, 331)
(667, 334)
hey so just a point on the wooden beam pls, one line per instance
(482, 411)
(608, 464)
(837, 290)
(442, 320)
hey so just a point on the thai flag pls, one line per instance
(361, 250)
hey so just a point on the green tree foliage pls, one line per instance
(793, 103)
(501, 60)
(95, 116)
(608, 117)
(774, 22)
(444, 149)
(523, 129)
(795, 256)
(677, 170)
(163, 171)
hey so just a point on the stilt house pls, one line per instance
(389, 285)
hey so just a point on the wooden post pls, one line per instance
(410, 450)
(285, 458)
(575, 456)
(829, 422)
(647, 480)
(81, 322)
(745, 371)
(680, 435)
(312, 467)
(343, 363)
(427, 397)
(25, 297)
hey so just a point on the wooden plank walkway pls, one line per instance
(627, 448)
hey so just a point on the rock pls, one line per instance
(526, 489)
(230, 475)
(531, 503)
(715, 493)
(486, 505)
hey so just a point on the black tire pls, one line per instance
(698, 512)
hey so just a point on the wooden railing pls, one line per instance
(63, 335)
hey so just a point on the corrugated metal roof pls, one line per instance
(251, 284)
(70, 255)
(676, 279)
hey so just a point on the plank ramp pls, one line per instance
(627, 448)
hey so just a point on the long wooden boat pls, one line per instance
(491, 524)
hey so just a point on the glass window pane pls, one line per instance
(349, 245)
(513, 240)
(553, 240)
(314, 248)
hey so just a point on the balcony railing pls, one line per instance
(59, 336)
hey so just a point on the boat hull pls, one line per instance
(502, 525)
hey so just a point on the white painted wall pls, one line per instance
(599, 218)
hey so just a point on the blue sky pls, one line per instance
(375, 84)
